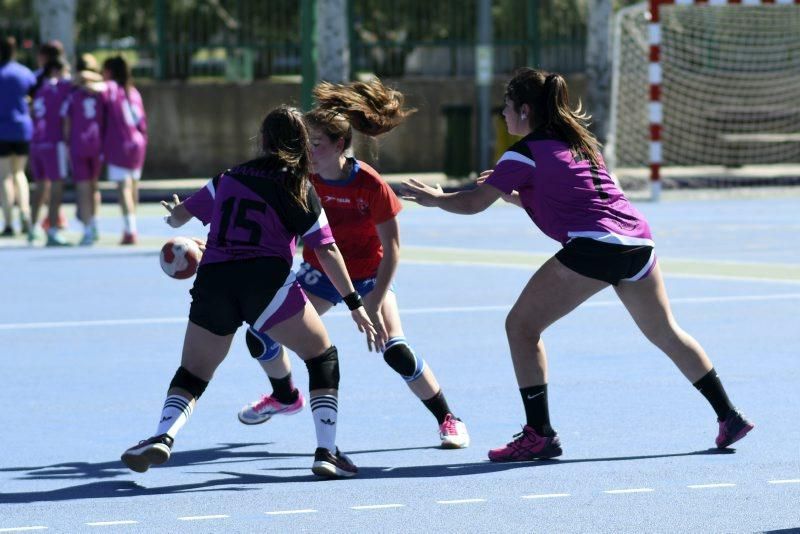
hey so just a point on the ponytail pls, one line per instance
(367, 107)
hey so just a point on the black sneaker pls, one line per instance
(153, 451)
(328, 465)
(8, 231)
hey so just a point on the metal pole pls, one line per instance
(308, 25)
(483, 80)
(532, 30)
(161, 39)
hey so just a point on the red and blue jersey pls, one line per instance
(355, 206)
(251, 214)
(566, 195)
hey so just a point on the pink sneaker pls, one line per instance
(733, 428)
(453, 433)
(129, 238)
(262, 410)
(527, 445)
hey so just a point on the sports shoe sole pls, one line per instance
(447, 444)
(328, 470)
(282, 412)
(140, 460)
(544, 455)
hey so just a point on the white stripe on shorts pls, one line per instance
(118, 174)
(640, 274)
(276, 302)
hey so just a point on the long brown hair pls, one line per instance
(284, 141)
(547, 95)
(367, 107)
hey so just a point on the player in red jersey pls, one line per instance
(362, 212)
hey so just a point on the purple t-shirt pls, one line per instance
(125, 139)
(16, 81)
(86, 112)
(252, 215)
(567, 196)
(47, 111)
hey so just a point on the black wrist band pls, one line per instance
(353, 301)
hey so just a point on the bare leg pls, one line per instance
(41, 192)
(22, 189)
(647, 302)
(56, 194)
(7, 191)
(551, 293)
(85, 201)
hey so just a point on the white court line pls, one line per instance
(376, 506)
(111, 523)
(203, 517)
(22, 529)
(461, 501)
(630, 490)
(787, 481)
(290, 512)
(708, 486)
(546, 496)
(406, 311)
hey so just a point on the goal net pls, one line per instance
(706, 94)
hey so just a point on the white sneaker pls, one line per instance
(453, 433)
(263, 409)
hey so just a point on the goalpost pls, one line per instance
(705, 93)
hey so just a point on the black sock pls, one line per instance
(534, 399)
(438, 406)
(712, 390)
(283, 389)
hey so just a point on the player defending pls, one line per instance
(556, 173)
(362, 211)
(256, 211)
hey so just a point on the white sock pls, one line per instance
(176, 412)
(130, 224)
(324, 409)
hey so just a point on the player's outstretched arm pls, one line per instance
(513, 198)
(178, 214)
(333, 264)
(461, 202)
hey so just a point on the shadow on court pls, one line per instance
(233, 481)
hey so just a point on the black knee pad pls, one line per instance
(187, 381)
(402, 359)
(323, 371)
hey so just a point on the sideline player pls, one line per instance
(362, 211)
(556, 173)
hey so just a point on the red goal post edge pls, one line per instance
(654, 35)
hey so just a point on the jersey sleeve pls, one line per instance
(384, 205)
(137, 107)
(513, 170)
(312, 224)
(201, 203)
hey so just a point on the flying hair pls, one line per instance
(367, 107)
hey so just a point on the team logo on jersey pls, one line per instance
(362, 205)
(330, 199)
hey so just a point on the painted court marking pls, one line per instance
(787, 481)
(22, 529)
(290, 512)
(111, 523)
(546, 496)
(406, 311)
(628, 490)
(203, 517)
(376, 506)
(461, 501)
(709, 486)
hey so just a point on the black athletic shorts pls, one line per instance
(14, 148)
(608, 262)
(258, 291)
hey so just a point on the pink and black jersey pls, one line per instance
(125, 139)
(354, 207)
(86, 112)
(251, 215)
(47, 111)
(566, 195)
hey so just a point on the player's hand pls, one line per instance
(170, 207)
(361, 319)
(483, 176)
(422, 194)
(373, 309)
(200, 243)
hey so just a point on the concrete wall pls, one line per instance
(199, 129)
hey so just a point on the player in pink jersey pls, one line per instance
(255, 211)
(84, 120)
(125, 140)
(556, 173)
(48, 151)
(362, 211)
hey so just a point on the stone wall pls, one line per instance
(199, 129)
